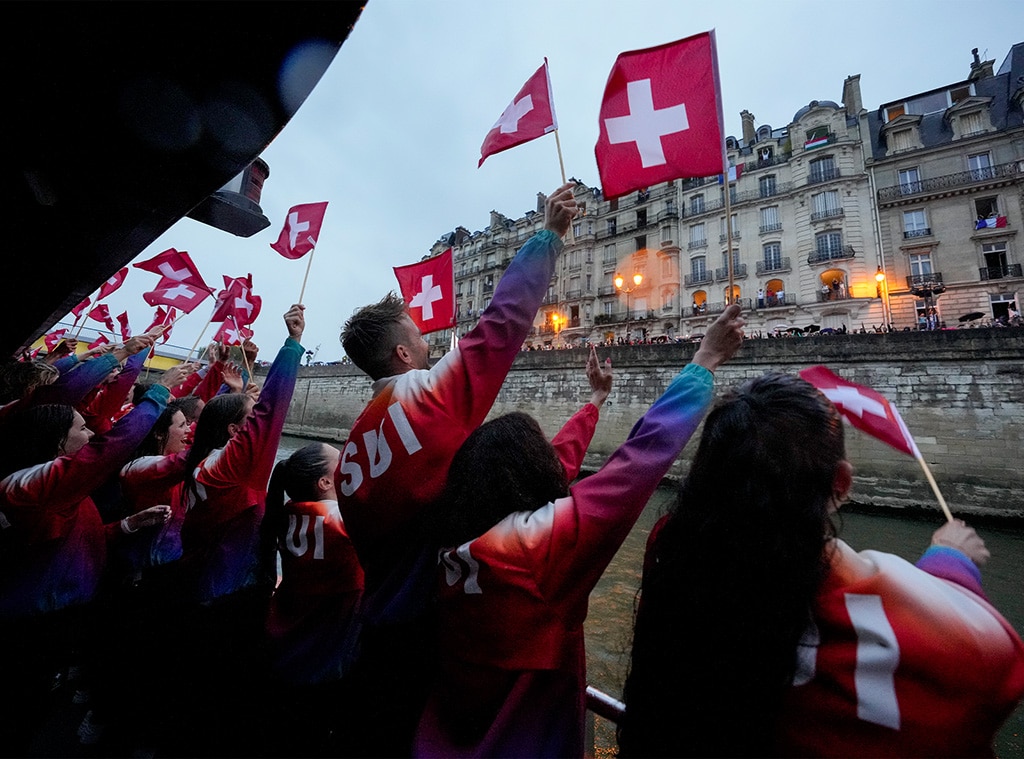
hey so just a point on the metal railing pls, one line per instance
(999, 272)
(825, 255)
(828, 213)
(1010, 170)
(926, 282)
(698, 279)
(763, 267)
(765, 228)
(739, 270)
(826, 175)
(912, 233)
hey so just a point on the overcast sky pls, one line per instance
(390, 136)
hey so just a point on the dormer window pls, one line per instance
(970, 117)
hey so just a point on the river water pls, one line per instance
(609, 623)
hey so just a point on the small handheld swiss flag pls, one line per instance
(301, 230)
(864, 408)
(661, 116)
(429, 290)
(530, 115)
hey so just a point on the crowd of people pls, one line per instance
(422, 590)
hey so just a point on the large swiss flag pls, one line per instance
(429, 290)
(661, 116)
(530, 115)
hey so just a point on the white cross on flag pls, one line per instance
(864, 408)
(429, 290)
(174, 265)
(530, 115)
(301, 230)
(182, 296)
(231, 333)
(113, 283)
(661, 116)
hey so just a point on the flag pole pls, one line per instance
(309, 264)
(558, 147)
(725, 167)
(935, 487)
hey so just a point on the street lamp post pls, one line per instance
(883, 293)
(619, 281)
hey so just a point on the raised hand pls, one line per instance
(600, 377)
(560, 209)
(722, 339)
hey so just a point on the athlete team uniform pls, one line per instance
(513, 601)
(321, 583)
(393, 466)
(902, 660)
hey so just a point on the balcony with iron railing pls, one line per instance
(773, 227)
(766, 267)
(828, 213)
(606, 290)
(925, 285)
(735, 198)
(735, 236)
(701, 278)
(824, 175)
(911, 234)
(549, 300)
(722, 274)
(694, 244)
(999, 272)
(832, 294)
(573, 294)
(747, 304)
(824, 255)
(1003, 173)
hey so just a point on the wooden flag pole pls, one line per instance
(309, 265)
(558, 147)
(935, 487)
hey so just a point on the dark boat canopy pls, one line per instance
(124, 118)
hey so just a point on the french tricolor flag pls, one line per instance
(992, 222)
(735, 172)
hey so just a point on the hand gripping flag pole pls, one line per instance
(870, 412)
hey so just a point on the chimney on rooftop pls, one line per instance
(980, 69)
(851, 95)
(748, 127)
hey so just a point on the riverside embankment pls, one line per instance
(961, 393)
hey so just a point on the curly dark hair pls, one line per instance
(731, 574)
(506, 465)
(371, 333)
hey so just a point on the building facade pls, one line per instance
(845, 219)
(948, 168)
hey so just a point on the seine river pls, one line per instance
(609, 623)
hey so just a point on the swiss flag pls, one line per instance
(429, 290)
(181, 295)
(77, 310)
(661, 116)
(101, 339)
(864, 408)
(301, 230)
(112, 284)
(160, 318)
(237, 300)
(51, 339)
(530, 115)
(174, 265)
(101, 313)
(126, 330)
(230, 333)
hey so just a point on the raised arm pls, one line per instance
(956, 554)
(572, 440)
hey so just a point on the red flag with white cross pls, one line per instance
(864, 408)
(231, 333)
(101, 313)
(429, 290)
(530, 115)
(301, 230)
(174, 265)
(113, 283)
(181, 295)
(661, 117)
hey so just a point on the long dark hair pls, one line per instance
(505, 465)
(155, 440)
(295, 477)
(34, 435)
(212, 431)
(731, 575)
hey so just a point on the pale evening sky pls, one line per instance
(391, 134)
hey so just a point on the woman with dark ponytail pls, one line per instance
(759, 633)
(309, 627)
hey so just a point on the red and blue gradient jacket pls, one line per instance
(513, 601)
(397, 455)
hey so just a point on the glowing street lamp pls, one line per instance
(619, 281)
(883, 292)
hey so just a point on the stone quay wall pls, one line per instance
(960, 392)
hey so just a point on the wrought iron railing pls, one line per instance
(828, 213)
(1010, 170)
(765, 228)
(739, 270)
(763, 267)
(999, 272)
(823, 255)
(910, 234)
(924, 285)
(697, 279)
(735, 236)
(825, 175)
(698, 244)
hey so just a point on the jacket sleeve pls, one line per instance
(586, 529)
(953, 565)
(73, 387)
(572, 440)
(100, 413)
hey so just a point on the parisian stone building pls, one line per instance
(845, 219)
